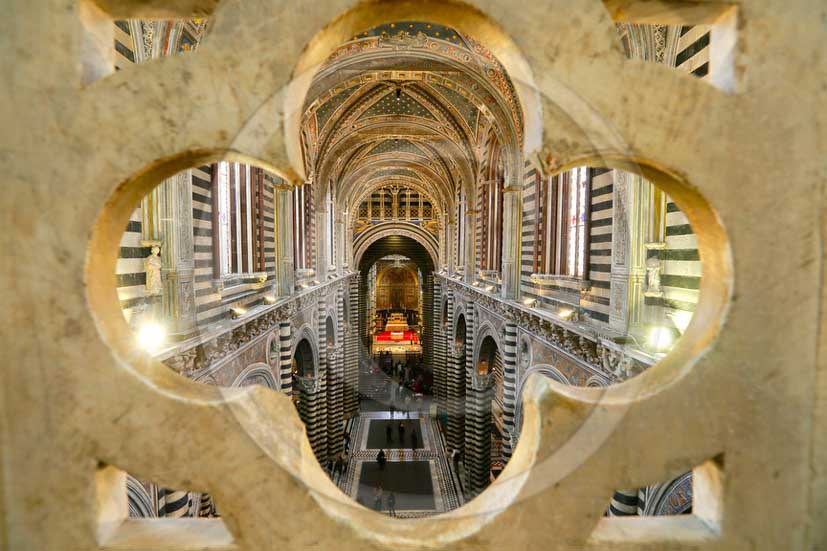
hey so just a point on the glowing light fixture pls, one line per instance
(489, 288)
(476, 283)
(661, 339)
(530, 302)
(238, 311)
(269, 299)
(565, 313)
(681, 319)
(151, 336)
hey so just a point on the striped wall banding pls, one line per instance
(439, 349)
(319, 422)
(351, 368)
(624, 503)
(509, 405)
(427, 322)
(335, 381)
(477, 421)
(285, 358)
(454, 383)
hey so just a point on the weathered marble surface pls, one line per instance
(747, 381)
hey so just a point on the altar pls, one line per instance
(397, 323)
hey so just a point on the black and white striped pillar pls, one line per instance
(351, 368)
(477, 419)
(322, 406)
(454, 383)
(509, 390)
(285, 358)
(174, 503)
(478, 434)
(335, 381)
(428, 321)
(624, 503)
(438, 333)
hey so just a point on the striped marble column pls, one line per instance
(309, 411)
(335, 381)
(364, 341)
(428, 321)
(439, 348)
(477, 448)
(322, 418)
(174, 503)
(285, 358)
(351, 368)
(478, 433)
(624, 503)
(509, 390)
(454, 383)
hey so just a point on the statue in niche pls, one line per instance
(653, 268)
(152, 267)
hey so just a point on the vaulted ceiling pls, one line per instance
(413, 104)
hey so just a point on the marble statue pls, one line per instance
(653, 275)
(152, 267)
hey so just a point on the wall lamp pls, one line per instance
(151, 336)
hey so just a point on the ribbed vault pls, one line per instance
(409, 104)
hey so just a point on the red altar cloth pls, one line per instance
(404, 336)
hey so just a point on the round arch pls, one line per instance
(330, 329)
(308, 335)
(256, 374)
(486, 329)
(381, 231)
(140, 502)
(302, 358)
(460, 328)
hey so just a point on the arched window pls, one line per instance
(238, 202)
(302, 226)
(563, 214)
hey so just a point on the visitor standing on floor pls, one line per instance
(401, 431)
(381, 459)
(391, 504)
(388, 435)
(414, 439)
(377, 498)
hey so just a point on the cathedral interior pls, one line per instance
(415, 275)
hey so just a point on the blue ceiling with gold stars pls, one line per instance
(398, 103)
(413, 28)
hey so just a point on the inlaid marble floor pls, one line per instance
(420, 478)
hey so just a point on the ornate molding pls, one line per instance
(195, 357)
(591, 348)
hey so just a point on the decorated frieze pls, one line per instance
(191, 357)
(589, 346)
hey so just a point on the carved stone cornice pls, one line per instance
(457, 351)
(585, 344)
(191, 357)
(309, 385)
(482, 381)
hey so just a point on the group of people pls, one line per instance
(338, 465)
(400, 429)
(379, 497)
